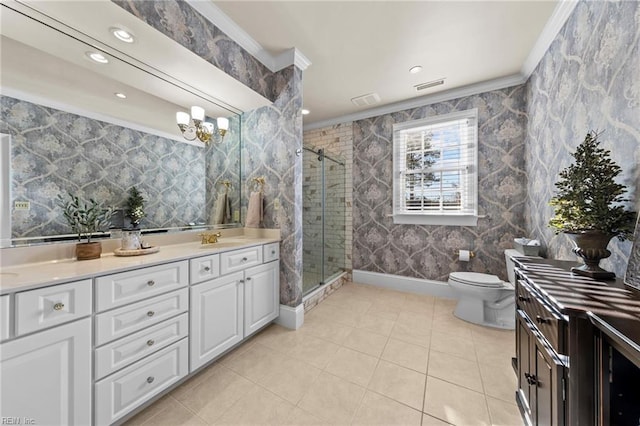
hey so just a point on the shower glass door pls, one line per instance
(323, 218)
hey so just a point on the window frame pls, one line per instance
(440, 217)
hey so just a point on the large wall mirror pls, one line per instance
(66, 126)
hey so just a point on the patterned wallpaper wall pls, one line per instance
(178, 20)
(430, 252)
(54, 152)
(588, 80)
(270, 137)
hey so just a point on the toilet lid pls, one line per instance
(477, 279)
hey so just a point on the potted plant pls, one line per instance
(589, 206)
(85, 218)
(135, 207)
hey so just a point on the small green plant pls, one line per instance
(135, 207)
(588, 197)
(85, 217)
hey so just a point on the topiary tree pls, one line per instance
(588, 197)
(135, 206)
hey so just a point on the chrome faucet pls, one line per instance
(210, 238)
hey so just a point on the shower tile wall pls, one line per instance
(337, 140)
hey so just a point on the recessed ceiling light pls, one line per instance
(122, 34)
(415, 69)
(305, 111)
(97, 57)
(121, 95)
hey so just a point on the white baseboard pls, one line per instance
(291, 318)
(406, 284)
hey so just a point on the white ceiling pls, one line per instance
(361, 47)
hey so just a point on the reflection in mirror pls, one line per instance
(64, 138)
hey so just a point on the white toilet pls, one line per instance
(484, 299)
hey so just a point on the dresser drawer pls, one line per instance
(204, 268)
(127, 287)
(5, 317)
(49, 306)
(120, 393)
(122, 352)
(270, 252)
(237, 260)
(552, 326)
(129, 319)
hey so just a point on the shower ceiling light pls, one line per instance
(305, 112)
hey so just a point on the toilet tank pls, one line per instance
(510, 265)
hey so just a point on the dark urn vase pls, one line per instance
(591, 246)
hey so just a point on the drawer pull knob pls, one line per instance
(207, 269)
(150, 342)
(58, 306)
(523, 298)
(244, 259)
(150, 379)
(150, 313)
(531, 379)
(248, 278)
(241, 281)
(273, 252)
(541, 320)
(151, 283)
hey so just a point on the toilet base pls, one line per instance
(482, 313)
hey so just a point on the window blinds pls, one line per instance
(435, 165)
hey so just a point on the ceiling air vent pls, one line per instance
(429, 84)
(366, 100)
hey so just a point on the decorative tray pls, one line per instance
(138, 252)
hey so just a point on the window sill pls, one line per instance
(436, 219)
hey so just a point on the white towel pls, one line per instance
(222, 212)
(254, 211)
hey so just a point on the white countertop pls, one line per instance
(40, 274)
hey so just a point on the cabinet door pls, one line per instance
(524, 342)
(45, 378)
(547, 385)
(216, 317)
(261, 296)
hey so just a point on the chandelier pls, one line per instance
(193, 126)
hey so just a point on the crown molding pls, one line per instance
(556, 21)
(447, 95)
(217, 17)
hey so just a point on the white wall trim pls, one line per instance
(406, 284)
(5, 190)
(556, 21)
(44, 101)
(447, 95)
(217, 17)
(291, 318)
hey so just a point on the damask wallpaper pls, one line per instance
(183, 24)
(54, 152)
(430, 252)
(588, 80)
(271, 136)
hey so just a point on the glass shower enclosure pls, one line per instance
(323, 218)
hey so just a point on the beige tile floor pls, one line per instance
(365, 356)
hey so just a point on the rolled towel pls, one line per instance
(254, 211)
(220, 211)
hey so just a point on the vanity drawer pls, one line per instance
(122, 352)
(204, 268)
(237, 260)
(552, 326)
(49, 306)
(129, 319)
(270, 252)
(5, 317)
(120, 393)
(127, 287)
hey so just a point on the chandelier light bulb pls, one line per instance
(197, 113)
(182, 118)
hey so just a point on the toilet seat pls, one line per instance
(476, 279)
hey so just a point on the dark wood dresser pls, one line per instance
(577, 347)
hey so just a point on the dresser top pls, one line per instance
(612, 306)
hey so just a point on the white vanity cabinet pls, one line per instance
(225, 310)
(45, 377)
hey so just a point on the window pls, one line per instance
(435, 170)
